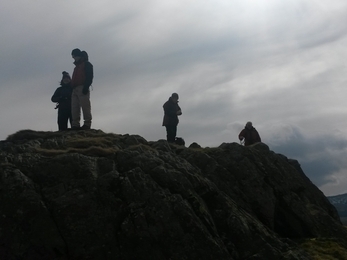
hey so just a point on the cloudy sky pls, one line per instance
(279, 64)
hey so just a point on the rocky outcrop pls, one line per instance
(92, 195)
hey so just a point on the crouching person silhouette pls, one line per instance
(249, 135)
(62, 96)
(171, 113)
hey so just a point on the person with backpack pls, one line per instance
(170, 120)
(82, 78)
(249, 134)
(62, 96)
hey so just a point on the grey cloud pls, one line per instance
(321, 156)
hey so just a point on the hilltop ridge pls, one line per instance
(95, 195)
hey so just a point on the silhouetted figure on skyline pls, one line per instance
(82, 78)
(249, 134)
(171, 113)
(62, 96)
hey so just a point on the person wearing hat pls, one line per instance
(249, 134)
(62, 96)
(170, 120)
(82, 78)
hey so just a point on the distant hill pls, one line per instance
(94, 195)
(340, 203)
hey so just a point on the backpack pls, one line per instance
(180, 141)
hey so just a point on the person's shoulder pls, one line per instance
(254, 130)
(167, 103)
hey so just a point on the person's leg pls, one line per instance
(86, 109)
(63, 116)
(75, 107)
(70, 116)
(170, 133)
(174, 132)
(60, 124)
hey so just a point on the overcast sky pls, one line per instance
(279, 64)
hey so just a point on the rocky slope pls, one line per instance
(91, 195)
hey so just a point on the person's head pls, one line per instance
(84, 55)
(66, 78)
(76, 54)
(249, 125)
(174, 97)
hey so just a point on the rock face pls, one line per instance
(91, 195)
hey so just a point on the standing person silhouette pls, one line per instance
(82, 78)
(62, 96)
(170, 120)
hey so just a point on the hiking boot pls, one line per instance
(75, 128)
(85, 127)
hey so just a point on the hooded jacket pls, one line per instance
(62, 95)
(170, 113)
(83, 74)
(251, 136)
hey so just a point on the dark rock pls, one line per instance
(180, 141)
(194, 146)
(131, 199)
